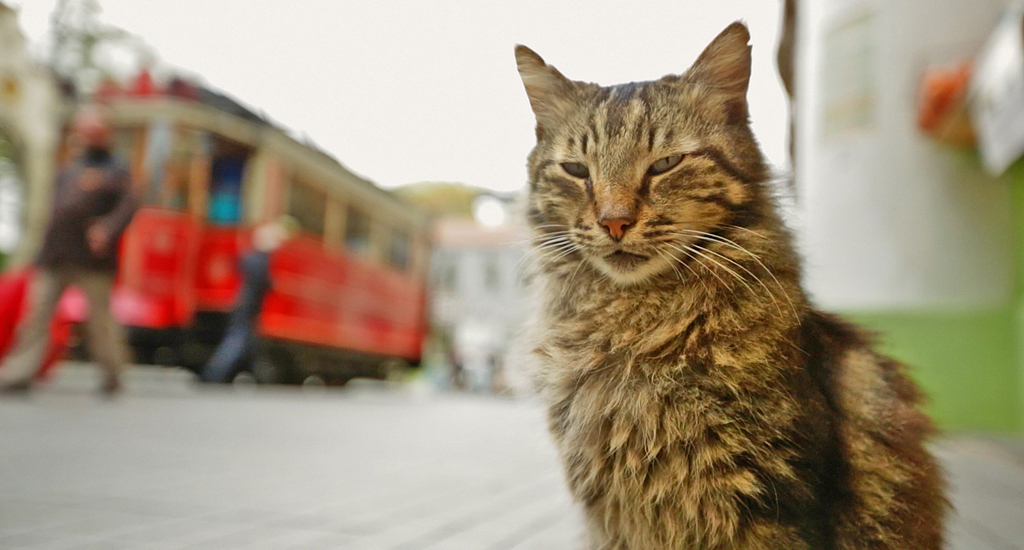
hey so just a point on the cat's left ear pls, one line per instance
(549, 92)
(725, 63)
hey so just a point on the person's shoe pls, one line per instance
(111, 387)
(21, 387)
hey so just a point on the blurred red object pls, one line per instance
(942, 108)
(108, 89)
(13, 307)
(144, 84)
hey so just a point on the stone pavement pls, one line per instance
(170, 465)
(986, 479)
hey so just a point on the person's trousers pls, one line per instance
(232, 354)
(103, 335)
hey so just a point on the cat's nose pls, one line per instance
(617, 227)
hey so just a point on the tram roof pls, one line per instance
(221, 115)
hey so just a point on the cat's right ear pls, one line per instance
(548, 90)
(725, 63)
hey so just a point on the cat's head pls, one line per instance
(631, 177)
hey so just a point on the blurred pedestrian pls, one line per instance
(235, 350)
(92, 205)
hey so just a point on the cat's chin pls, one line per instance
(629, 269)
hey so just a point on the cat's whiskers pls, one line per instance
(737, 246)
(537, 232)
(548, 240)
(671, 262)
(568, 284)
(553, 255)
(675, 260)
(525, 241)
(564, 253)
(539, 254)
(708, 236)
(555, 249)
(550, 247)
(747, 229)
(687, 252)
(546, 234)
(552, 240)
(737, 276)
(728, 270)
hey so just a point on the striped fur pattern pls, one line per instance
(696, 398)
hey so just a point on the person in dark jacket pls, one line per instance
(235, 350)
(92, 204)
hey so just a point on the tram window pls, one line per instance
(357, 231)
(159, 138)
(398, 249)
(308, 206)
(124, 143)
(175, 188)
(226, 190)
(226, 172)
(187, 145)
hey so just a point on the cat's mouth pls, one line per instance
(625, 261)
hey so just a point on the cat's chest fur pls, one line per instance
(649, 454)
(650, 408)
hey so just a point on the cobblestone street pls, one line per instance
(171, 465)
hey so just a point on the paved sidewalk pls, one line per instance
(170, 465)
(986, 478)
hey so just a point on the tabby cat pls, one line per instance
(696, 398)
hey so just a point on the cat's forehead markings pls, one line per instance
(684, 144)
(689, 146)
(634, 110)
(593, 126)
(616, 118)
(625, 92)
(614, 121)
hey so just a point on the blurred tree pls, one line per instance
(441, 199)
(79, 40)
(30, 113)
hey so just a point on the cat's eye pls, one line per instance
(576, 170)
(665, 164)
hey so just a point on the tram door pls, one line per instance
(160, 249)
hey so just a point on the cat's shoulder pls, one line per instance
(863, 382)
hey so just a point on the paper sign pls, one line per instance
(997, 94)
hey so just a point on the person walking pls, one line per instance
(92, 205)
(236, 348)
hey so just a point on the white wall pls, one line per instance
(887, 218)
(500, 306)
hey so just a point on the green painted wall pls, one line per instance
(966, 362)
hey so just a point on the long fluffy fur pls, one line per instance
(697, 399)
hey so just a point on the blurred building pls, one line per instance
(30, 113)
(904, 232)
(477, 298)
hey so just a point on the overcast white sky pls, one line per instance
(408, 91)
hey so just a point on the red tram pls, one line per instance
(349, 292)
